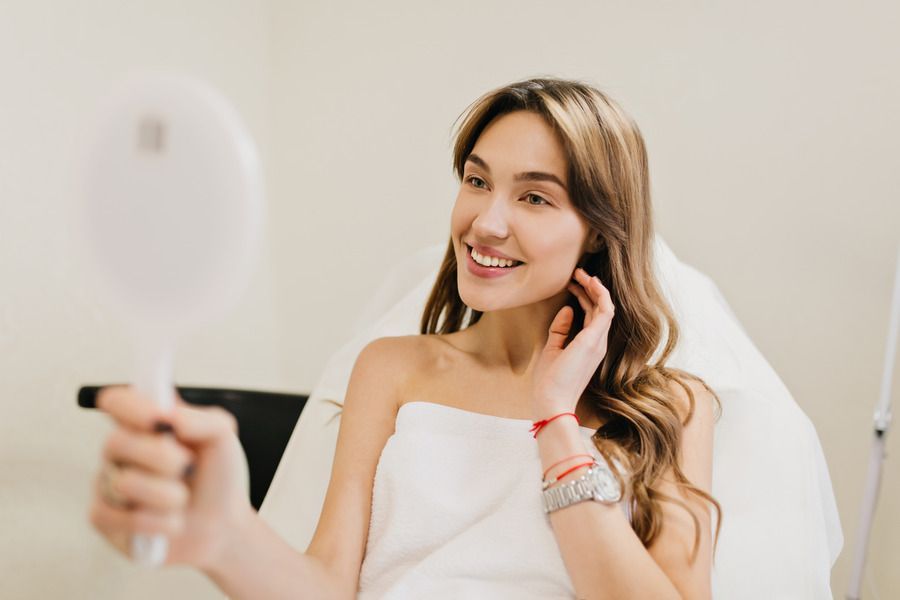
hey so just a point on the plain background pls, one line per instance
(773, 135)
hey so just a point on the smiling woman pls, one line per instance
(545, 311)
(554, 176)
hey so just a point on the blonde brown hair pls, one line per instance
(609, 185)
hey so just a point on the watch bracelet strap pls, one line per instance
(597, 484)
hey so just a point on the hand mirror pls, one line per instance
(172, 221)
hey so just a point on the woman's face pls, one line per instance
(513, 204)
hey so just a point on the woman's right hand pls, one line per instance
(200, 509)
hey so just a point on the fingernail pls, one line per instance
(162, 427)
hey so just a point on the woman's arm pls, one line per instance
(208, 519)
(262, 565)
(603, 555)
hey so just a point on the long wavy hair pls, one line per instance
(609, 185)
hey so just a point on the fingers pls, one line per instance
(191, 425)
(128, 407)
(194, 424)
(149, 505)
(598, 295)
(197, 426)
(589, 284)
(586, 305)
(118, 524)
(559, 328)
(159, 454)
(142, 490)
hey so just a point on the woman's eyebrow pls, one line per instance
(527, 176)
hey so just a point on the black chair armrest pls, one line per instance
(265, 423)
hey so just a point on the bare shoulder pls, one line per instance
(390, 348)
(394, 360)
(404, 362)
(701, 402)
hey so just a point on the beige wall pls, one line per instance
(772, 132)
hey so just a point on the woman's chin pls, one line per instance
(476, 305)
(478, 302)
(487, 301)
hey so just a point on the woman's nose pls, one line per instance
(492, 220)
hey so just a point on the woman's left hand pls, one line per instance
(562, 373)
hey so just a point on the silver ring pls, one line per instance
(108, 475)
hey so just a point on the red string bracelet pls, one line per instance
(564, 473)
(544, 476)
(538, 425)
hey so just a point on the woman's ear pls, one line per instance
(595, 244)
(592, 245)
(582, 262)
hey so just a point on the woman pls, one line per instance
(545, 309)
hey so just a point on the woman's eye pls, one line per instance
(475, 181)
(539, 199)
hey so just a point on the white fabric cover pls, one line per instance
(781, 532)
(457, 511)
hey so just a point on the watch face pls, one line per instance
(607, 488)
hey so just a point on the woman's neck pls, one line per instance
(514, 338)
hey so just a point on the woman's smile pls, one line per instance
(483, 265)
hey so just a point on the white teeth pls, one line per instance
(491, 261)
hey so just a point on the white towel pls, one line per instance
(457, 511)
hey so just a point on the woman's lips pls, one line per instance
(487, 272)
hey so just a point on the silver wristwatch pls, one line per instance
(597, 484)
